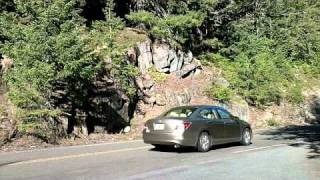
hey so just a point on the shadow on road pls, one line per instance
(171, 149)
(8, 163)
(307, 136)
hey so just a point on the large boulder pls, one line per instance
(144, 56)
(169, 60)
(177, 62)
(162, 54)
(7, 129)
(178, 98)
(5, 64)
(238, 107)
(145, 85)
(311, 108)
(105, 105)
(188, 57)
(189, 69)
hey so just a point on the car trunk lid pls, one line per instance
(166, 125)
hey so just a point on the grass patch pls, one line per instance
(157, 76)
(35, 123)
(2, 111)
(219, 92)
(129, 37)
(273, 123)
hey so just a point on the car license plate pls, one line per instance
(158, 126)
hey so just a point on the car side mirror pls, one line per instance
(235, 117)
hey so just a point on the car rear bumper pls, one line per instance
(166, 139)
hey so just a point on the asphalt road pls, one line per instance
(288, 153)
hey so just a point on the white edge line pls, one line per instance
(71, 146)
(259, 148)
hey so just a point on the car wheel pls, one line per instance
(204, 142)
(246, 137)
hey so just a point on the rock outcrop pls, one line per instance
(7, 129)
(7, 123)
(189, 69)
(144, 56)
(105, 105)
(238, 107)
(311, 106)
(5, 64)
(163, 58)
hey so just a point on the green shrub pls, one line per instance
(175, 28)
(110, 39)
(37, 123)
(220, 93)
(40, 129)
(157, 76)
(2, 111)
(144, 17)
(258, 73)
(273, 123)
(50, 43)
(294, 94)
(49, 46)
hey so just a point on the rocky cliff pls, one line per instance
(171, 77)
(168, 77)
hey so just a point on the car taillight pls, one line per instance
(145, 127)
(186, 124)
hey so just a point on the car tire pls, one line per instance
(204, 142)
(246, 137)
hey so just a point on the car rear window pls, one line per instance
(180, 112)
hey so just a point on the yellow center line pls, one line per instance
(77, 156)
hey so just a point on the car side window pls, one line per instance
(224, 114)
(215, 113)
(207, 114)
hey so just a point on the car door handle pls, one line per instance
(230, 122)
(210, 122)
(227, 122)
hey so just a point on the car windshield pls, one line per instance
(182, 112)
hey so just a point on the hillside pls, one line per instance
(89, 70)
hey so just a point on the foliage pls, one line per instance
(145, 17)
(266, 47)
(129, 37)
(6, 5)
(292, 25)
(273, 123)
(220, 93)
(257, 73)
(176, 28)
(262, 46)
(49, 44)
(294, 93)
(37, 123)
(2, 111)
(112, 48)
(257, 43)
(47, 47)
(158, 77)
